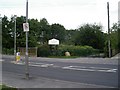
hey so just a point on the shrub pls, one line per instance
(8, 51)
(76, 50)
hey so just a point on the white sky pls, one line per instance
(69, 13)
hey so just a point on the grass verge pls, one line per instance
(64, 57)
(4, 87)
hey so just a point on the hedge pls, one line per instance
(45, 51)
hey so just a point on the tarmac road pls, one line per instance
(95, 72)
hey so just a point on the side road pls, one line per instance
(113, 60)
(19, 81)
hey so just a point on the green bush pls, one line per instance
(8, 51)
(43, 51)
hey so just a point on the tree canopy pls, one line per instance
(90, 35)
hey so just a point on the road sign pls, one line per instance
(26, 27)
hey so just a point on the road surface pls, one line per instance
(99, 73)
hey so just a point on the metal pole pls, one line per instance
(26, 56)
(15, 37)
(0, 37)
(109, 42)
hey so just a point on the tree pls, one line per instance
(44, 30)
(70, 36)
(33, 32)
(7, 39)
(20, 34)
(90, 35)
(115, 39)
(58, 32)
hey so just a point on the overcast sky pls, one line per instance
(69, 13)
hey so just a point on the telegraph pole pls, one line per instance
(26, 54)
(109, 43)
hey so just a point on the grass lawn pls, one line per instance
(4, 87)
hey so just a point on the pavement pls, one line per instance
(19, 81)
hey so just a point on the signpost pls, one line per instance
(26, 29)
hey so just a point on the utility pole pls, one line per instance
(15, 37)
(26, 54)
(109, 42)
(119, 13)
(118, 27)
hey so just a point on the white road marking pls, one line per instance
(112, 70)
(43, 65)
(1, 60)
(78, 68)
(99, 69)
(55, 66)
(33, 64)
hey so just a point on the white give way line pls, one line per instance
(33, 64)
(1, 60)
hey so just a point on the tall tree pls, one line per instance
(7, 39)
(115, 39)
(70, 36)
(44, 30)
(33, 32)
(19, 31)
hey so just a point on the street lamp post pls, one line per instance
(0, 35)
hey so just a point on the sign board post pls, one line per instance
(53, 45)
(53, 42)
(26, 29)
